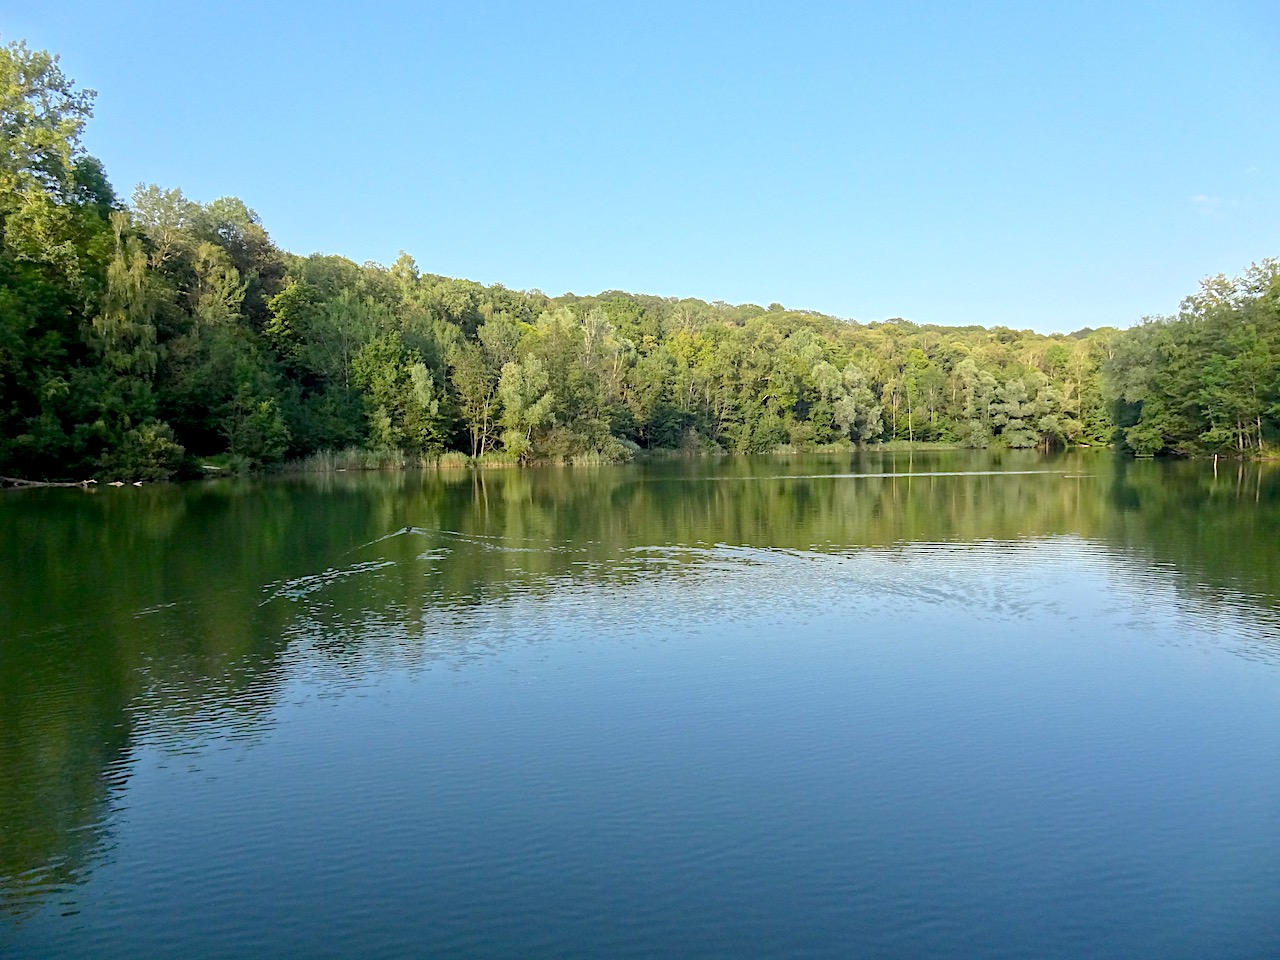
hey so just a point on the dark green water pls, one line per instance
(888, 706)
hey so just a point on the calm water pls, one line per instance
(882, 705)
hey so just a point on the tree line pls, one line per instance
(140, 338)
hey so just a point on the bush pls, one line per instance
(611, 450)
(496, 458)
(147, 452)
(452, 460)
(350, 458)
(768, 432)
(255, 430)
(1144, 440)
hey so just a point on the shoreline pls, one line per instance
(372, 461)
(357, 460)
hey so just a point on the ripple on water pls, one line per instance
(737, 749)
(641, 587)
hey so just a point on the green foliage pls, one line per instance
(403, 401)
(146, 452)
(255, 431)
(350, 458)
(1207, 379)
(854, 407)
(42, 115)
(452, 460)
(124, 331)
(526, 405)
(129, 336)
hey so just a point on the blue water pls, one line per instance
(1046, 745)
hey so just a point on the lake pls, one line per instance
(869, 705)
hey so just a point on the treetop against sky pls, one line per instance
(1047, 166)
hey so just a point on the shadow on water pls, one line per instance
(160, 614)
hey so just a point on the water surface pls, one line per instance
(868, 705)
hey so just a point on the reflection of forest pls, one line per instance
(63, 739)
(146, 612)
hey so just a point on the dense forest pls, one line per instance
(1208, 379)
(153, 337)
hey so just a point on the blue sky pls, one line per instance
(1051, 166)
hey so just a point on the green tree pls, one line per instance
(404, 402)
(526, 405)
(856, 410)
(42, 116)
(1013, 413)
(55, 247)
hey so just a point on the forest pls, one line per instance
(159, 336)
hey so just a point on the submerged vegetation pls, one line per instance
(141, 339)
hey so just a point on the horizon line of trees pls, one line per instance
(139, 338)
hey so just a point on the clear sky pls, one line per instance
(1043, 165)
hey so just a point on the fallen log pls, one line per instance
(19, 482)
